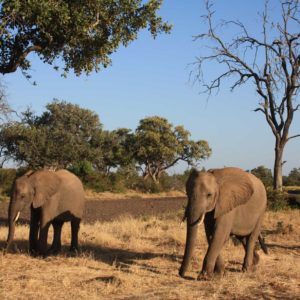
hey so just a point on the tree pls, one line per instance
(264, 174)
(58, 138)
(81, 34)
(293, 179)
(271, 63)
(158, 146)
(114, 151)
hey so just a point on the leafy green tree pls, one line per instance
(113, 151)
(264, 174)
(158, 145)
(81, 34)
(58, 138)
(293, 179)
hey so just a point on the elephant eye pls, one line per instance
(209, 195)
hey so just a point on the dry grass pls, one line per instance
(139, 259)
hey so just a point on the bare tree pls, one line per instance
(270, 62)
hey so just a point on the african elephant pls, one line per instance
(54, 198)
(231, 202)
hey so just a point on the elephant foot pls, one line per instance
(255, 258)
(219, 273)
(248, 268)
(11, 248)
(74, 250)
(219, 270)
(33, 252)
(54, 250)
(205, 276)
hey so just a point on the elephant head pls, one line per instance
(218, 190)
(33, 188)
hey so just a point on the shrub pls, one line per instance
(7, 177)
(82, 169)
(97, 182)
(277, 200)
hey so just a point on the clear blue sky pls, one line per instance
(151, 77)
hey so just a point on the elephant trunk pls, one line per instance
(191, 235)
(13, 215)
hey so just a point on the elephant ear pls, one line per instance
(45, 184)
(235, 188)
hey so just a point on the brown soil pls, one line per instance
(109, 210)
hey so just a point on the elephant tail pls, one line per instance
(262, 244)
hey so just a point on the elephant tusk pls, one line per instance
(201, 221)
(17, 217)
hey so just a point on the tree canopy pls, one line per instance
(158, 145)
(82, 34)
(264, 174)
(59, 137)
(113, 151)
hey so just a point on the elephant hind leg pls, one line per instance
(251, 257)
(75, 224)
(255, 258)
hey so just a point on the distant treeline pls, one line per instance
(70, 137)
(265, 174)
(125, 179)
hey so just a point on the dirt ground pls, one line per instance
(109, 210)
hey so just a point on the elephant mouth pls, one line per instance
(16, 217)
(199, 221)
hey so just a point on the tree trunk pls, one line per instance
(277, 181)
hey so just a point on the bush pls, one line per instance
(7, 177)
(264, 174)
(82, 169)
(277, 200)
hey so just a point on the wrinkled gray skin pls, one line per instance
(54, 198)
(232, 202)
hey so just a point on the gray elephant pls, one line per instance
(231, 202)
(54, 198)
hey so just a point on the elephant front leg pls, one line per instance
(43, 238)
(213, 262)
(56, 244)
(34, 230)
(218, 267)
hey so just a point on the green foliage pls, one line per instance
(293, 179)
(264, 174)
(158, 146)
(82, 169)
(61, 136)
(277, 200)
(7, 177)
(114, 150)
(82, 34)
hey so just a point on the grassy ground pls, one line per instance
(139, 259)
